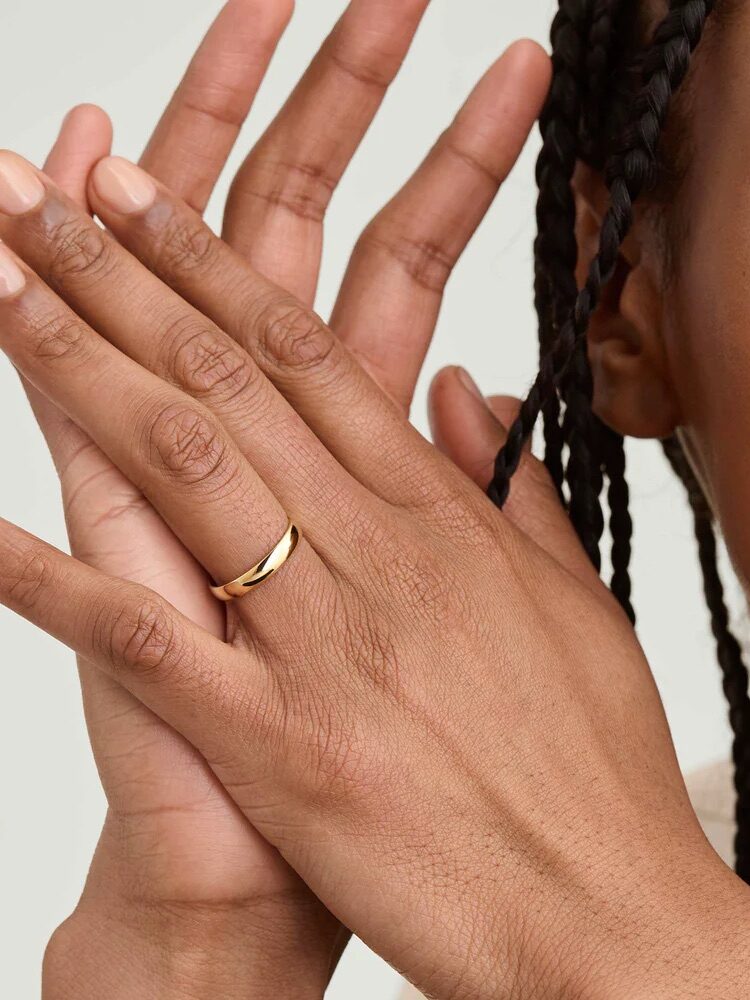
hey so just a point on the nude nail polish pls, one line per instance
(124, 187)
(12, 278)
(20, 187)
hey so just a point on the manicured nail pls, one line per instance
(123, 186)
(468, 383)
(12, 278)
(20, 188)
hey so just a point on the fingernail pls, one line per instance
(12, 278)
(20, 188)
(468, 383)
(123, 186)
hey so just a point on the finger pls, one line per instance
(171, 448)
(116, 295)
(280, 196)
(470, 431)
(391, 296)
(181, 672)
(85, 137)
(193, 139)
(358, 424)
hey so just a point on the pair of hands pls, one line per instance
(176, 858)
(412, 712)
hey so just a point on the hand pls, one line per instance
(228, 885)
(444, 725)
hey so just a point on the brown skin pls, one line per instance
(526, 821)
(552, 741)
(214, 909)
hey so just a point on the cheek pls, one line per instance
(707, 335)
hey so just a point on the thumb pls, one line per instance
(470, 430)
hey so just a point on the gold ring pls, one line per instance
(261, 572)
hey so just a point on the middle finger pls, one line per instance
(281, 193)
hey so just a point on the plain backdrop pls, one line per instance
(128, 57)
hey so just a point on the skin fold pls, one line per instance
(461, 755)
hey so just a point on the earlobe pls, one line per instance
(633, 392)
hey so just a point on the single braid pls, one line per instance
(556, 249)
(584, 468)
(628, 173)
(734, 671)
(620, 521)
(604, 35)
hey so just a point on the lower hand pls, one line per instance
(445, 726)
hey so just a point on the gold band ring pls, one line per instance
(261, 572)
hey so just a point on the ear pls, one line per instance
(633, 393)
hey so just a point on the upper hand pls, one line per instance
(444, 724)
(157, 786)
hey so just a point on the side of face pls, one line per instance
(670, 347)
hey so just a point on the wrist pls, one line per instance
(126, 952)
(662, 930)
(691, 938)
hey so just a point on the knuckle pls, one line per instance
(425, 261)
(206, 363)
(292, 338)
(191, 447)
(80, 251)
(340, 769)
(182, 244)
(24, 579)
(141, 639)
(57, 337)
(302, 188)
(425, 584)
(343, 764)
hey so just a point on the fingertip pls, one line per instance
(530, 52)
(496, 119)
(91, 120)
(463, 427)
(269, 17)
(117, 185)
(85, 137)
(439, 395)
(526, 63)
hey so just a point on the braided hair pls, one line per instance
(607, 106)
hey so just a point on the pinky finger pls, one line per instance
(470, 431)
(182, 673)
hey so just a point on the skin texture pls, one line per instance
(180, 878)
(307, 721)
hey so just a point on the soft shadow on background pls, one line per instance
(128, 58)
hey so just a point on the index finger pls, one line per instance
(196, 133)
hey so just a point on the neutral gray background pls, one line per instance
(127, 57)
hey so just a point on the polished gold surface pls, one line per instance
(262, 570)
